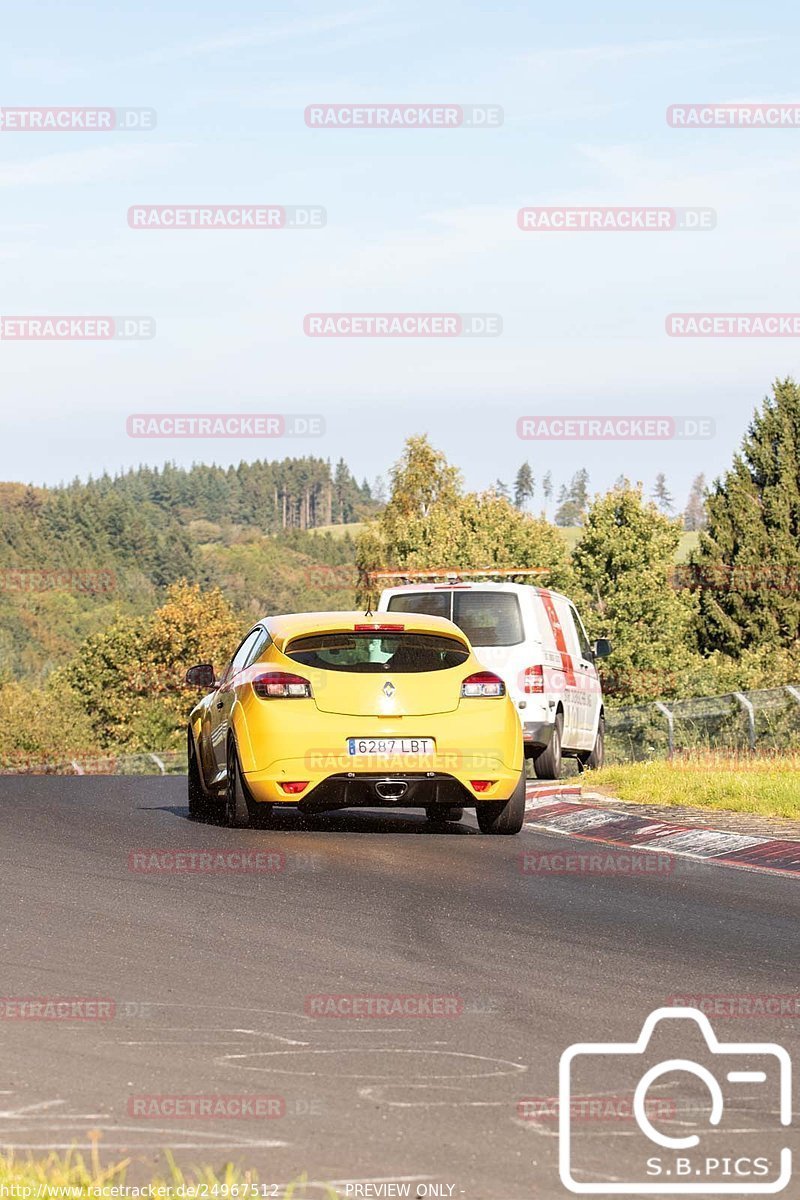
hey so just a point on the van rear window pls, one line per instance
(487, 618)
(431, 604)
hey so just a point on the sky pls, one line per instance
(417, 220)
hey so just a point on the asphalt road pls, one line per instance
(210, 976)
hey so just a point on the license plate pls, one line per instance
(393, 745)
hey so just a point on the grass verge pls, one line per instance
(768, 786)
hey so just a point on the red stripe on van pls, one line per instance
(567, 664)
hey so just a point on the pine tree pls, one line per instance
(501, 489)
(695, 516)
(747, 565)
(573, 500)
(662, 494)
(523, 485)
(547, 491)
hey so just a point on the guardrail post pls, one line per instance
(746, 704)
(662, 708)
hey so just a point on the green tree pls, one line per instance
(747, 565)
(622, 565)
(523, 486)
(694, 517)
(429, 523)
(662, 494)
(128, 680)
(573, 500)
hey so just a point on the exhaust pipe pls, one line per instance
(391, 789)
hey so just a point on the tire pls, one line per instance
(200, 807)
(503, 816)
(236, 814)
(598, 754)
(444, 812)
(547, 762)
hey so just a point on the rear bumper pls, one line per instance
(395, 791)
(537, 734)
(378, 788)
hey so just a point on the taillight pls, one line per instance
(481, 785)
(483, 683)
(533, 679)
(281, 685)
(294, 786)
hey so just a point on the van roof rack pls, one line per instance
(456, 574)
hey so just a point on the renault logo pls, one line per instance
(388, 688)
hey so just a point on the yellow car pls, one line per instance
(336, 710)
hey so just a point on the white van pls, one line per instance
(534, 640)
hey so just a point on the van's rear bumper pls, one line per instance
(537, 734)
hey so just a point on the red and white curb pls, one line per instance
(559, 809)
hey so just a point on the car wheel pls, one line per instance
(547, 762)
(598, 754)
(444, 812)
(199, 804)
(237, 814)
(503, 816)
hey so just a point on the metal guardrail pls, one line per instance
(762, 720)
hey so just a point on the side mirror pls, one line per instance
(201, 676)
(602, 648)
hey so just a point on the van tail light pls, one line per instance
(483, 683)
(533, 679)
(293, 787)
(281, 685)
(481, 785)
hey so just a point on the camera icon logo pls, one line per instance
(745, 1162)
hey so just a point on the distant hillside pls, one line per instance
(73, 556)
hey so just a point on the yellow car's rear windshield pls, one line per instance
(378, 653)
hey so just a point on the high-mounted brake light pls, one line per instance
(483, 683)
(378, 628)
(281, 685)
(533, 679)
